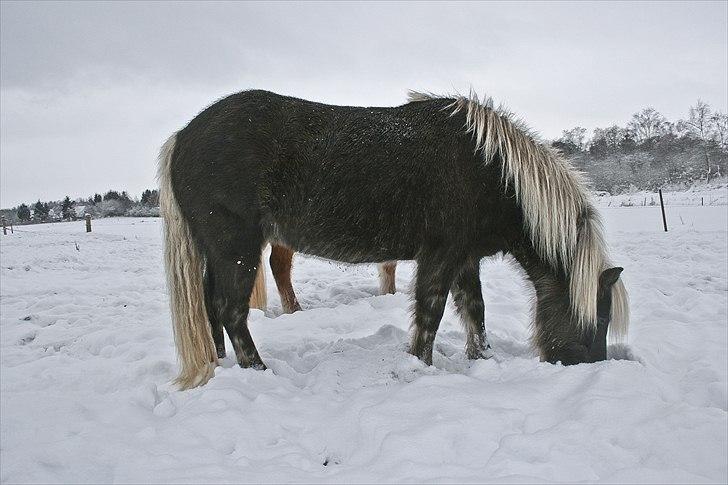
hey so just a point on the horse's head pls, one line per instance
(594, 348)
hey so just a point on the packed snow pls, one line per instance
(87, 358)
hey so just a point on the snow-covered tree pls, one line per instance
(23, 212)
(150, 198)
(606, 140)
(67, 211)
(719, 129)
(698, 125)
(41, 210)
(573, 140)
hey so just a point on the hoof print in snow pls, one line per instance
(27, 339)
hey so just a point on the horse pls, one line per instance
(442, 180)
(281, 263)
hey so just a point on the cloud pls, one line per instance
(89, 90)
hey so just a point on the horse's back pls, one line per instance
(347, 183)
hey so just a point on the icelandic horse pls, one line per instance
(444, 181)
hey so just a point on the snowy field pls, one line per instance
(713, 194)
(87, 357)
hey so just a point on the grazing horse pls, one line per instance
(444, 181)
(281, 262)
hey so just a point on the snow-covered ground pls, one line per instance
(87, 356)
(715, 193)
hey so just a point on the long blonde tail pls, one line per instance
(259, 296)
(184, 267)
(619, 325)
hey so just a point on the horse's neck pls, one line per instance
(541, 273)
(552, 313)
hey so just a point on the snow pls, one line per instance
(712, 194)
(87, 356)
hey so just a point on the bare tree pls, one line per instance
(698, 125)
(611, 137)
(647, 124)
(575, 137)
(719, 129)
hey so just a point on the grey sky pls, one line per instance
(88, 92)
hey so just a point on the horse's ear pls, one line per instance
(609, 277)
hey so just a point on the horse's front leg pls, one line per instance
(468, 298)
(434, 278)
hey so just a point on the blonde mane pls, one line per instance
(561, 220)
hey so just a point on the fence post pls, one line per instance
(5, 227)
(88, 222)
(662, 206)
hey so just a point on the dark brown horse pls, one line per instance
(444, 181)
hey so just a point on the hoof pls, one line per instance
(478, 347)
(423, 351)
(288, 311)
(257, 365)
(424, 356)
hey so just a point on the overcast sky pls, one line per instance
(88, 92)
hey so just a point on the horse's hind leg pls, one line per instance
(234, 277)
(281, 261)
(386, 277)
(233, 251)
(468, 298)
(215, 323)
(434, 278)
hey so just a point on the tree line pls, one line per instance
(650, 151)
(111, 204)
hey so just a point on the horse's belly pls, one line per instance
(331, 242)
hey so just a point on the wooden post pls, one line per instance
(88, 222)
(662, 206)
(702, 201)
(5, 227)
